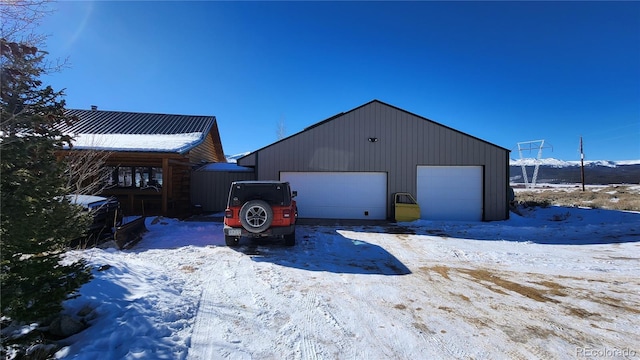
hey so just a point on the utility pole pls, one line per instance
(581, 164)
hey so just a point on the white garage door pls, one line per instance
(339, 195)
(450, 192)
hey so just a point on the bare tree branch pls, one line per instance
(86, 171)
(19, 19)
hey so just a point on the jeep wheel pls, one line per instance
(231, 240)
(256, 216)
(290, 239)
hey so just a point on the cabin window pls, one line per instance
(141, 177)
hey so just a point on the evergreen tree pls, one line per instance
(36, 220)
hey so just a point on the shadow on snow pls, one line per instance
(554, 225)
(144, 338)
(325, 249)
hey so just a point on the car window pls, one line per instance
(273, 194)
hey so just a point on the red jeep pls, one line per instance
(260, 209)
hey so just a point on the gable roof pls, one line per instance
(366, 104)
(143, 132)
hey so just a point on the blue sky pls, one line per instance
(501, 71)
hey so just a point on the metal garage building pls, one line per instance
(211, 182)
(348, 167)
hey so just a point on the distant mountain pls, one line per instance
(599, 172)
(561, 163)
(234, 158)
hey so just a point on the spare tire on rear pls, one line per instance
(256, 216)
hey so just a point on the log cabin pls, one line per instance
(149, 157)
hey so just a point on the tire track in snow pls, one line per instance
(307, 346)
(251, 309)
(314, 330)
(226, 301)
(207, 341)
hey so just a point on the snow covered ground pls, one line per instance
(556, 283)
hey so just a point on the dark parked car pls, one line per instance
(106, 214)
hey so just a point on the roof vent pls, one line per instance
(94, 107)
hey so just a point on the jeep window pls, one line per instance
(274, 194)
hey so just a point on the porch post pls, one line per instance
(166, 182)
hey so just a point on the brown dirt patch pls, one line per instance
(400, 306)
(485, 276)
(616, 303)
(422, 327)
(439, 269)
(465, 298)
(581, 313)
(500, 285)
(188, 269)
(554, 287)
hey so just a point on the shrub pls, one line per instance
(616, 197)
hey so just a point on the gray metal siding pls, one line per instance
(210, 189)
(404, 141)
(249, 160)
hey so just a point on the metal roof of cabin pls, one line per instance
(119, 122)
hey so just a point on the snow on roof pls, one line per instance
(137, 142)
(144, 132)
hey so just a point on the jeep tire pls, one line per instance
(256, 216)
